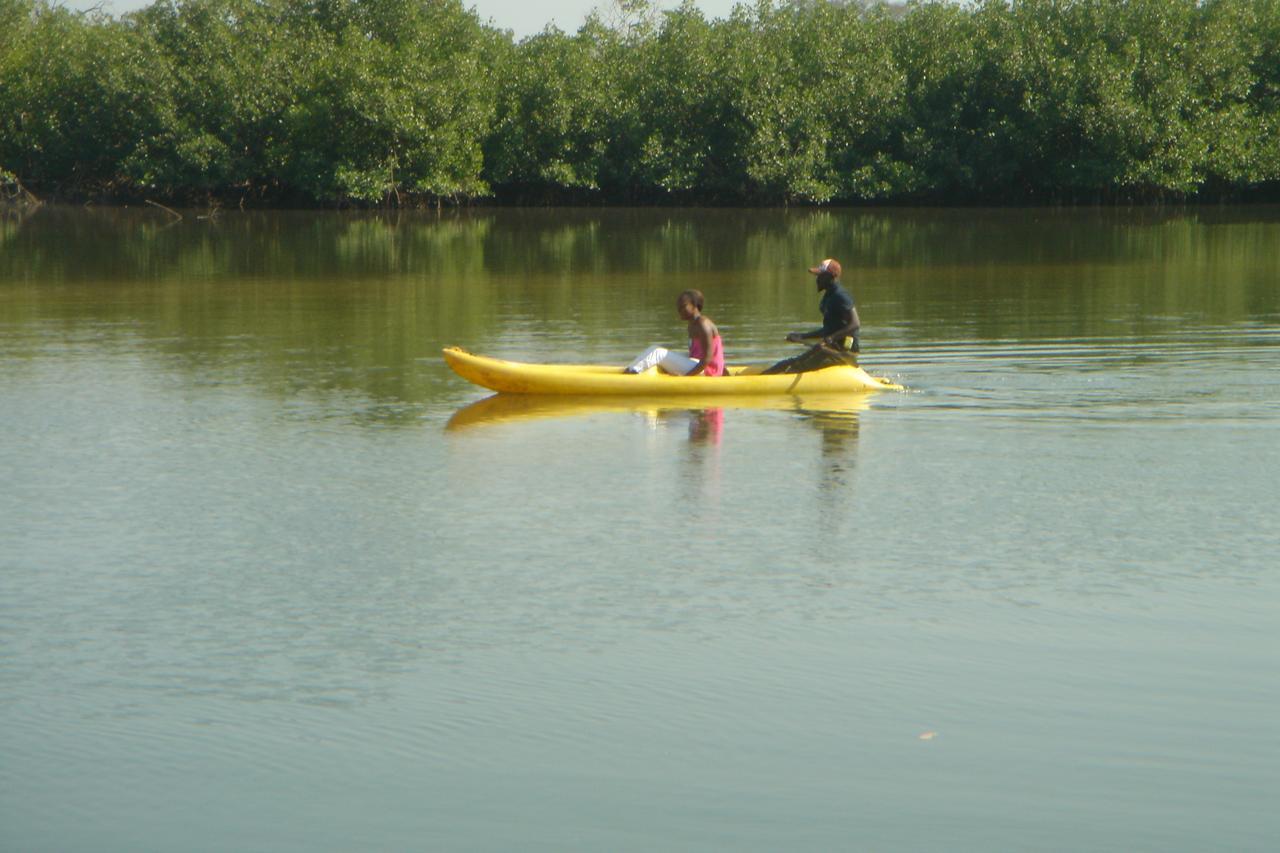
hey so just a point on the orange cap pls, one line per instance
(830, 265)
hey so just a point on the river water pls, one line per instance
(272, 578)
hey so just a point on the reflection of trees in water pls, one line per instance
(8, 225)
(581, 243)
(360, 303)
(149, 245)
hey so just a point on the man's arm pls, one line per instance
(797, 337)
(850, 327)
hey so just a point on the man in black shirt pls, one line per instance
(840, 326)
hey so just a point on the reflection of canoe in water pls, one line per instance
(515, 377)
(509, 408)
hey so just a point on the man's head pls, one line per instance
(827, 272)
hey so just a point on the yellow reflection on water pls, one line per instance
(508, 408)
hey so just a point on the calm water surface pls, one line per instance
(273, 579)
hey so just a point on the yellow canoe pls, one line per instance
(515, 377)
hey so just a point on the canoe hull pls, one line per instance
(513, 377)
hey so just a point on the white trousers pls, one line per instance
(676, 363)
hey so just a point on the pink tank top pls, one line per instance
(715, 364)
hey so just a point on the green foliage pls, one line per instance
(679, 104)
(397, 99)
(233, 68)
(78, 94)
(785, 101)
(329, 100)
(555, 109)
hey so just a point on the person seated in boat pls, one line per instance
(706, 349)
(838, 337)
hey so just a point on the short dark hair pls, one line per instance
(693, 297)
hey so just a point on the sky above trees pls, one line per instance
(519, 16)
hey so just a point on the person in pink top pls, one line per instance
(706, 349)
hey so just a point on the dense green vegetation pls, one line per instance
(417, 101)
